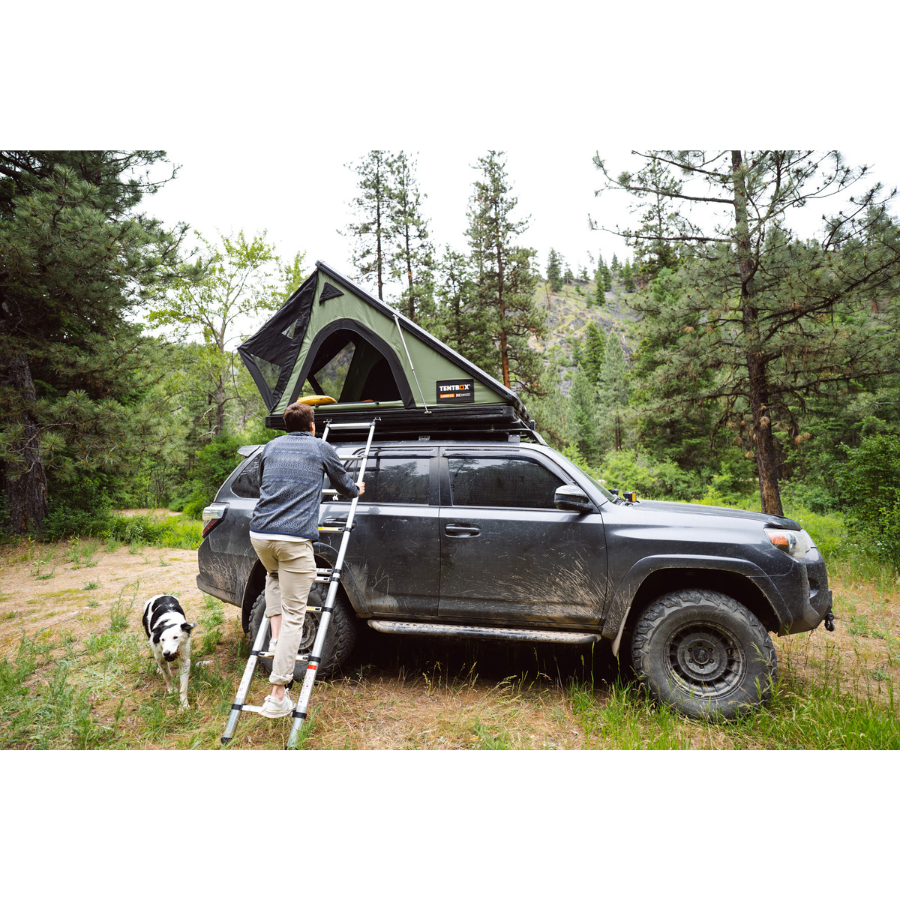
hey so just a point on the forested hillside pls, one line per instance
(727, 359)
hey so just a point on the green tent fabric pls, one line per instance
(332, 337)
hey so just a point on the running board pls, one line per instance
(478, 631)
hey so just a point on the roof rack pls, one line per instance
(489, 422)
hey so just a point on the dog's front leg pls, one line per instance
(185, 671)
(164, 668)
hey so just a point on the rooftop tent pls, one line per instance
(332, 337)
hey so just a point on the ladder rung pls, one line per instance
(333, 425)
(255, 709)
(335, 529)
(324, 571)
(269, 654)
(350, 456)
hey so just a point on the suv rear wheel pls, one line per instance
(341, 635)
(704, 654)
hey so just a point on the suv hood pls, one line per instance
(698, 509)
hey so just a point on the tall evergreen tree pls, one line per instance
(594, 353)
(372, 230)
(613, 393)
(554, 272)
(581, 416)
(76, 262)
(504, 277)
(600, 292)
(628, 278)
(464, 317)
(781, 317)
(412, 261)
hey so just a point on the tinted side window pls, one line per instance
(517, 483)
(247, 483)
(395, 479)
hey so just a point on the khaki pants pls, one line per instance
(291, 570)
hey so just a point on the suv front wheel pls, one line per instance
(704, 654)
(341, 635)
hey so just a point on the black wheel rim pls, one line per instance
(705, 659)
(310, 630)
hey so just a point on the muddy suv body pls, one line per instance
(511, 540)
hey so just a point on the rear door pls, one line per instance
(394, 549)
(507, 554)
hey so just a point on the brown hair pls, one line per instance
(298, 416)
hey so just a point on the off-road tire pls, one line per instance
(704, 654)
(341, 635)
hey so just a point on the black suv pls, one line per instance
(511, 540)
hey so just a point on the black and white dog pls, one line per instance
(169, 634)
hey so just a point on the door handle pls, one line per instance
(462, 530)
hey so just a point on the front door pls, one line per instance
(507, 554)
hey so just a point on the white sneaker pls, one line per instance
(277, 709)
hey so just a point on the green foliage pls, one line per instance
(554, 272)
(464, 316)
(412, 261)
(870, 487)
(76, 262)
(212, 465)
(581, 416)
(241, 277)
(503, 276)
(594, 353)
(629, 470)
(178, 532)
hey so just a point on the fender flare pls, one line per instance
(623, 597)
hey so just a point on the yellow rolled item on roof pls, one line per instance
(316, 400)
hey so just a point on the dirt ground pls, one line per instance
(33, 603)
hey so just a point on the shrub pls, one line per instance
(870, 488)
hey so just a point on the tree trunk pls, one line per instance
(504, 353)
(26, 493)
(766, 457)
(220, 406)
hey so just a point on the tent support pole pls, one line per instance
(403, 341)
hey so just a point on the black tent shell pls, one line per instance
(332, 337)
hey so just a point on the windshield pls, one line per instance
(590, 478)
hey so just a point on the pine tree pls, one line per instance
(613, 393)
(628, 278)
(463, 317)
(600, 292)
(554, 273)
(581, 416)
(777, 318)
(504, 277)
(594, 353)
(76, 262)
(412, 261)
(614, 266)
(372, 232)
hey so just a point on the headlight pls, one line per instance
(794, 543)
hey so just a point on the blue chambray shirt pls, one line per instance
(290, 475)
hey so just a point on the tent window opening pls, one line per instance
(269, 371)
(350, 369)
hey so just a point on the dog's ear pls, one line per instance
(187, 626)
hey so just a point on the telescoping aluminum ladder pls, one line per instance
(332, 578)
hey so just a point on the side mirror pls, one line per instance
(573, 499)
